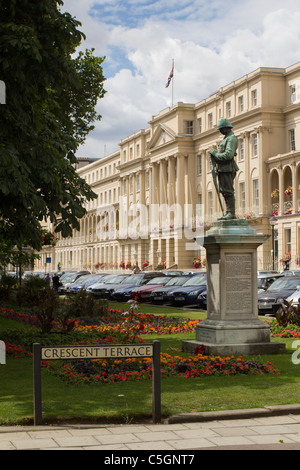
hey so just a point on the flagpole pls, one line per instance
(173, 82)
(171, 79)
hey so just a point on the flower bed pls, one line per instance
(114, 370)
(116, 328)
(289, 331)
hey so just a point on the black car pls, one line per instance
(104, 288)
(270, 300)
(160, 295)
(123, 293)
(83, 282)
(67, 279)
(265, 280)
(188, 293)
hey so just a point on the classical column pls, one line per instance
(171, 180)
(163, 193)
(154, 195)
(281, 191)
(245, 137)
(180, 190)
(294, 186)
(163, 181)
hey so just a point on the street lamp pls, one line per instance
(273, 222)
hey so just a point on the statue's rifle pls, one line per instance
(214, 175)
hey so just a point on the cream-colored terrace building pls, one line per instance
(156, 193)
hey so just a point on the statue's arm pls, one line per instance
(229, 152)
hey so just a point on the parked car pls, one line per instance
(294, 298)
(188, 293)
(83, 282)
(202, 299)
(291, 273)
(259, 273)
(67, 279)
(160, 294)
(270, 300)
(123, 293)
(105, 287)
(265, 280)
(172, 272)
(143, 293)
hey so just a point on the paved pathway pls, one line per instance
(182, 433)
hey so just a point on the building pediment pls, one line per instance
(162, 135)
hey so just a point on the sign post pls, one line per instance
(37, 384)
(124, 351)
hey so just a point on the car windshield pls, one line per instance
(196, 281)
(159, 280)
(113, 279)
(284, 284)
(265, 281)
(177, 281)
(91, 279)
(134, 279)
(70, 278)
(81, 280)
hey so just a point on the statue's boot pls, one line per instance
(230, 208)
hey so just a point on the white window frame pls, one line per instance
(293, 95)
(199, 164)
(199, 120)
(256, 194)
(292, 142)
(242, 196)
(228, 109)
(241, 153)
(241, 103)
(188, 127)
(254, 141)
(254, 98)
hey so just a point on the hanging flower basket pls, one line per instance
(274, 213)
(122, 265)
(286, 257)
(145, 264)
(197, 262)
(48, 238)
(275, 193)
(288, 191)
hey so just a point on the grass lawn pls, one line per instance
(132, 401)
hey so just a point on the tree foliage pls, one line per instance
(51, 97)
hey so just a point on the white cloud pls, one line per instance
(212, 43)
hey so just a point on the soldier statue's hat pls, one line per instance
(223, 122)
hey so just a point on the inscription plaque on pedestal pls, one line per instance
(238, 283)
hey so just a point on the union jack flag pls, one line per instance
(170, 77)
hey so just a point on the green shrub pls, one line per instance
(7, 284)
(85, 305)
(32, 291)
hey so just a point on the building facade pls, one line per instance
(156, 194)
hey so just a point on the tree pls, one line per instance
(50, 109)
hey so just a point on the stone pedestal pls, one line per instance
(232, 326)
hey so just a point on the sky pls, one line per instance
(211, 42)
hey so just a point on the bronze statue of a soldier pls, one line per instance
(225, 166)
